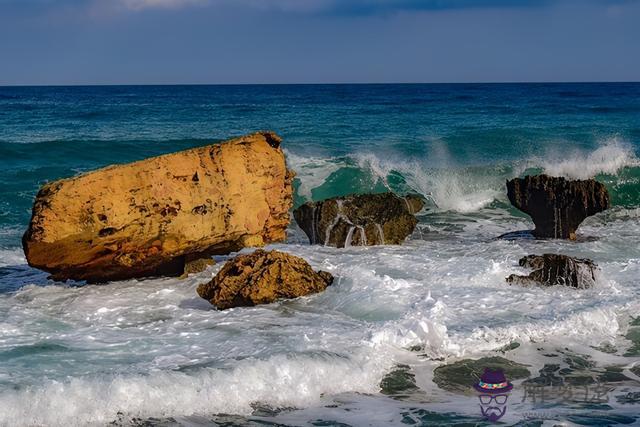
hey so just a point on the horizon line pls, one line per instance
(321, 84)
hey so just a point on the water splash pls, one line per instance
(608, 159)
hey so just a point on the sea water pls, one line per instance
(151, 351)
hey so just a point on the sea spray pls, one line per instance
(449, 186)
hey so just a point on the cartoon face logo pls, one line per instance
(493, 391)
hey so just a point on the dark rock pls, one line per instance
(399, 383)
(633, 335)
(459, 377)
(554, 269)
(262, 278)
(557, 205)
(359, 220)
(579, 371)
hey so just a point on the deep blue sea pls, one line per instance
(151, 351)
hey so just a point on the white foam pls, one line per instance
(450, 187)
(296, 380)
(12, 257)
(609, 158)
(312, 172)
(153, 348)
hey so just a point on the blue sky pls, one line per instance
(316, 41)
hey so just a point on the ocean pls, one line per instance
(151, 352)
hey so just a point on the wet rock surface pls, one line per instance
(459, 377)
(633, 337)
(556, 270)
(261, 278)
(359, 220)
(556, 205)
(576, 370)
(400, 383)
(149, 217)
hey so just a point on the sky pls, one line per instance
(72, 42)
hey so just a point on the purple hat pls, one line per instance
(493, 382)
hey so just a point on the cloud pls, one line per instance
(308, 7)
(161, 4)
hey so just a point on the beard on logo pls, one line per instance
(493, 413)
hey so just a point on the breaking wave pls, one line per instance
(450, 186)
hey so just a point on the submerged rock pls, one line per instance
(554, 269)
(262, 278)
(557, 205)
(399, 383)
(577, 370)
(460, 377)
(359, 220)
(149, 217)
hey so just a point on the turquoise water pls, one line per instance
(152, 349)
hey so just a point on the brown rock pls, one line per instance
(554, 269)
(196, 265)
(359, 220)
(262, 278)
(556, 205)
(145, 218)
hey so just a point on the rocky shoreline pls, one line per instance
(168, 215)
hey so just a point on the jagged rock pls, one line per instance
(359, 220)
(147, 218)
(262, 278)
(553, 269)
(557, 205)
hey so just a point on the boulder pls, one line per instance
(554, 269)
(149, 217)
(557, 205)
(261, 278)
(359, 220)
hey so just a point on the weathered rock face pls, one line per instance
(554, 269)
(556, 205)
(359, 220)
(262, 278)
(149, 217)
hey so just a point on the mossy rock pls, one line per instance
(399, 382)
(459, 377)
(552, 376)
(578, 362)
(511, 346)
(633, 335)
(613, 374)
(606, 348)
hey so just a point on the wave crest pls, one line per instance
(608, 159)
(449, 186)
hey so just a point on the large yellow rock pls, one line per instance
(149, 217)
